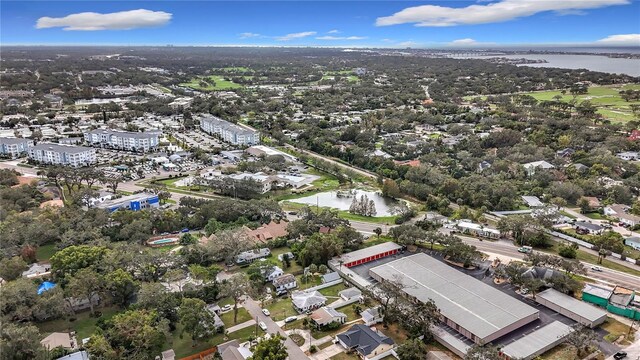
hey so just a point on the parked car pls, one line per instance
(262, 325)
(185, 230)
(290, 319)
(226, 308)
(525, 249)
(620, 355)
(266, 312)
(596, 268)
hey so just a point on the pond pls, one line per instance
(341, 200)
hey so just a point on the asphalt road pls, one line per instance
(294, 351)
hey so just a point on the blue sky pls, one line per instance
(322, 23)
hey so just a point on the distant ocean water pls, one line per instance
(590, 62)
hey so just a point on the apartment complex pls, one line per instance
(229, 132)
(124, 140)
(14, 147)
(67, 155)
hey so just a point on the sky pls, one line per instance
(453, 23)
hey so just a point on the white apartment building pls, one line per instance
(15, 147)
(124, 140)
(229, 132)
(67, 155)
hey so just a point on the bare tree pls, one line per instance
(236, 287)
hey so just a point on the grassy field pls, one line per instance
(220, 84)
(615, 329)
(606, 98)
(593, 259)
(45, 252)
(243, 315)
(84, 325)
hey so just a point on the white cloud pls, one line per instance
(408, 44)
(246, 35)
(341, 37)
(466, 41)
(435, 15)
(122, 20)
(334, 31)
(621, 40)
(293, 36)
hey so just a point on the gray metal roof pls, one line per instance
(127, 134)
(536, 342)
(472, 304)
(574, 305)
(369, 251)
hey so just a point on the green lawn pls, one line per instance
(595, 216)
(311, 281)
(45, 252)
(220, 83)
(606, 98)
(183, 345)
(84, 325)
(615, 329)
(243, 315)
(281, 308)
(332, 292)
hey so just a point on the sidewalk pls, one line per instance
(240, 326)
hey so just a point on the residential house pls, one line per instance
(78, 355)
(37, 270)
(372, 316)
(532, 201)
(532, 167)
(594, 203)
(58, 339)
(168, 355)
(579, 167)
(273, 273)
(350, 293)
(270, 231)
(327, 315)
(247, 257)
(284, 282)
(365, 341)
(483, 165)
(635, 135)
(232, 350)
(621, 212)
(330, 277)
(566, 152)
(307, 300)
(289, 256)
(583, 227)
(214, 309)
(633, 241)
(628, 155)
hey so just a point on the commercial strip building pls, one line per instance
(123, 140)
(371, 253)
(472, 308)
(585, 314)
(229, 132)
(133, 202)
(467, 227)
(537, 342)
(67, 155)
(14, 147)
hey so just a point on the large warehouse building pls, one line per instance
(474, 309)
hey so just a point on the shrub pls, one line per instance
(313, 349)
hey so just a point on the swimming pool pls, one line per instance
(163, 242)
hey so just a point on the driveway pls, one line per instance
(253, 307)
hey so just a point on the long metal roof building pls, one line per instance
(469, 306)
(537, 342)
(580, 311)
